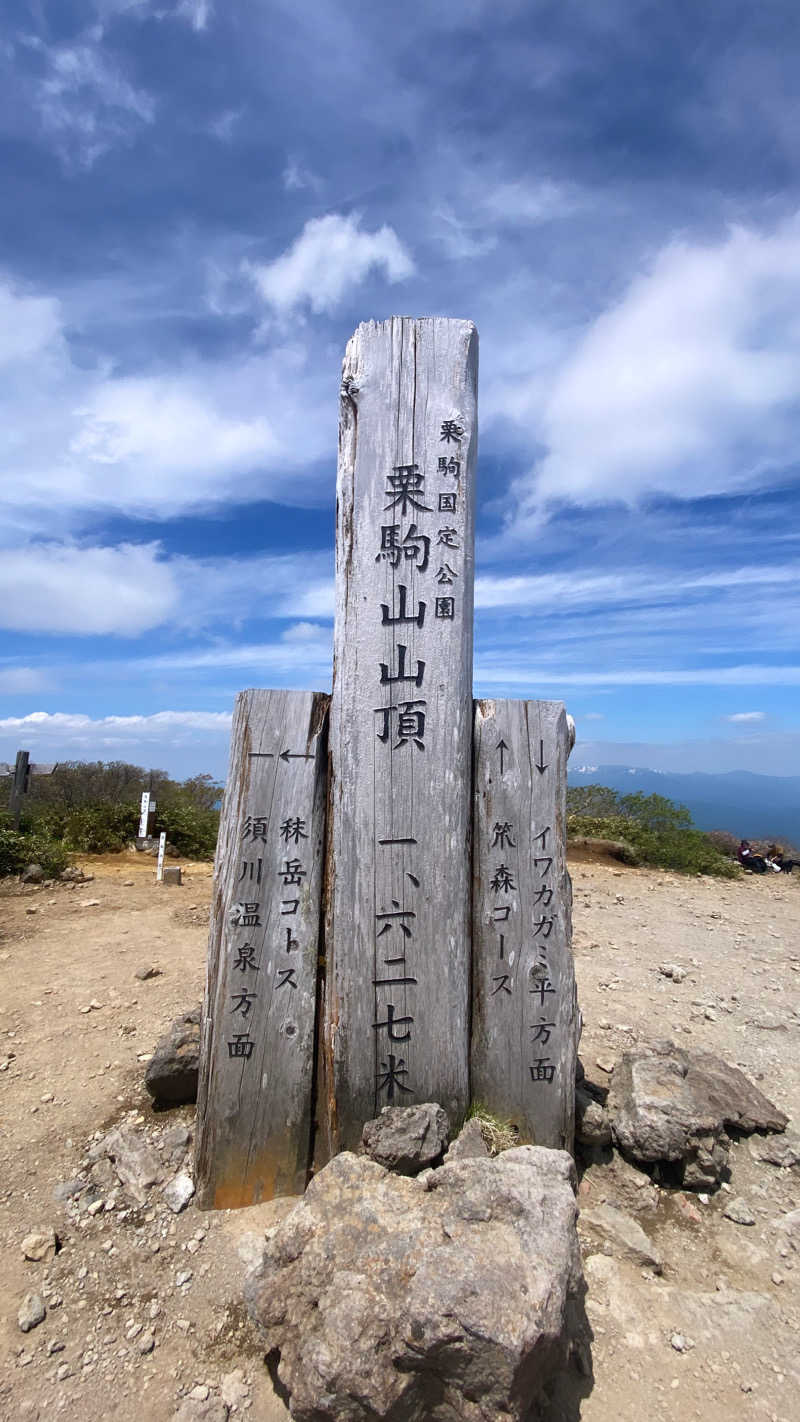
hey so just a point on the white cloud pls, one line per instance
(688, 385)
(22, 681)
(196, 12)
(85, 591)
(85, 102)
(592, 716)
(67, 724)
(329, 259)
(746, 716)
(297, 176)
(77, 438)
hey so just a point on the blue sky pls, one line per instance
(202, 201)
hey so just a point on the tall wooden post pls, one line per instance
(525, 1019)
(396, 1007)
(257, 1057)
(19, 786)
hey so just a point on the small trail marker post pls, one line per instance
(162, 845)
(257, 1057)
(397, 941)
(525, 1021)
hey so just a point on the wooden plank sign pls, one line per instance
(526, 1023)
(257, 1055)
(397, 937)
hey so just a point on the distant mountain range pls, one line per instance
(749, 806)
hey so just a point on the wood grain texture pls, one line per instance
(256, 1073)
(525, 1023)
(400, 750)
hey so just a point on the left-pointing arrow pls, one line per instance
(295, 755)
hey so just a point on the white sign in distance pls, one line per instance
(162, 844)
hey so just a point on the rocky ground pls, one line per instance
(143, 1316)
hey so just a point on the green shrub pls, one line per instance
(659, 833)
(18, 850)
(192, 830)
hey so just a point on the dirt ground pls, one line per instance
(143, 1306)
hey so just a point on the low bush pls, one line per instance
(657, 831)
(19, 849)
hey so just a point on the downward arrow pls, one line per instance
(540, 765)
(294, 755)
(501, 746)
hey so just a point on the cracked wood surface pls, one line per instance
(255, 1096)
(396, 1007)
(525, 1019)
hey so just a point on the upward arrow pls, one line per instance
(501, 746)
(540, 765)
(288, 755)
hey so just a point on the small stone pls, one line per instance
(40, 1245)
(32, 1312)
(55, 1346)
(199, 1393)
(64, 1372)
(606, 1064)
(184, 1276)
(178, 1192)
(31, 908)
(146, 1344)
(95, 1207)
(710, 1015)
(90, 903)
(46, 1098)
(688, 1208)
(681, 1344)
(739, 1212)
(776, 1277)
(144, 974)
(234, 1389)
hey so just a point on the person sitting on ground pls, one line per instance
(777, 859)
(749, 860)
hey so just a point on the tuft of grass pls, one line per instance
(498, 1134)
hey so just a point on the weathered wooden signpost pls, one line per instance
(396, 1012)
(525, 1022)
(443, 902)
(254, 1106)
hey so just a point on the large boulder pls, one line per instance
(172, 1071)
(451, 1295)
(407, 1138)
(667, 1104)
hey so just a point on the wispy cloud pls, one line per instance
(739, 716)
(331, 257)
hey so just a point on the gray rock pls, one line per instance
(136, 1165)
(626, 1238)
(32, 874)
(40, 1245)
(667, 1104)
(171, 1076)
(469, 1143)
(783, 1151)
(447, 1297)
(144, 974)
(739, 1211)
(178, 1192)
(32, 1312)
(69, 1189)
(407, 1138)
(192, 1409)
(592, 1126)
